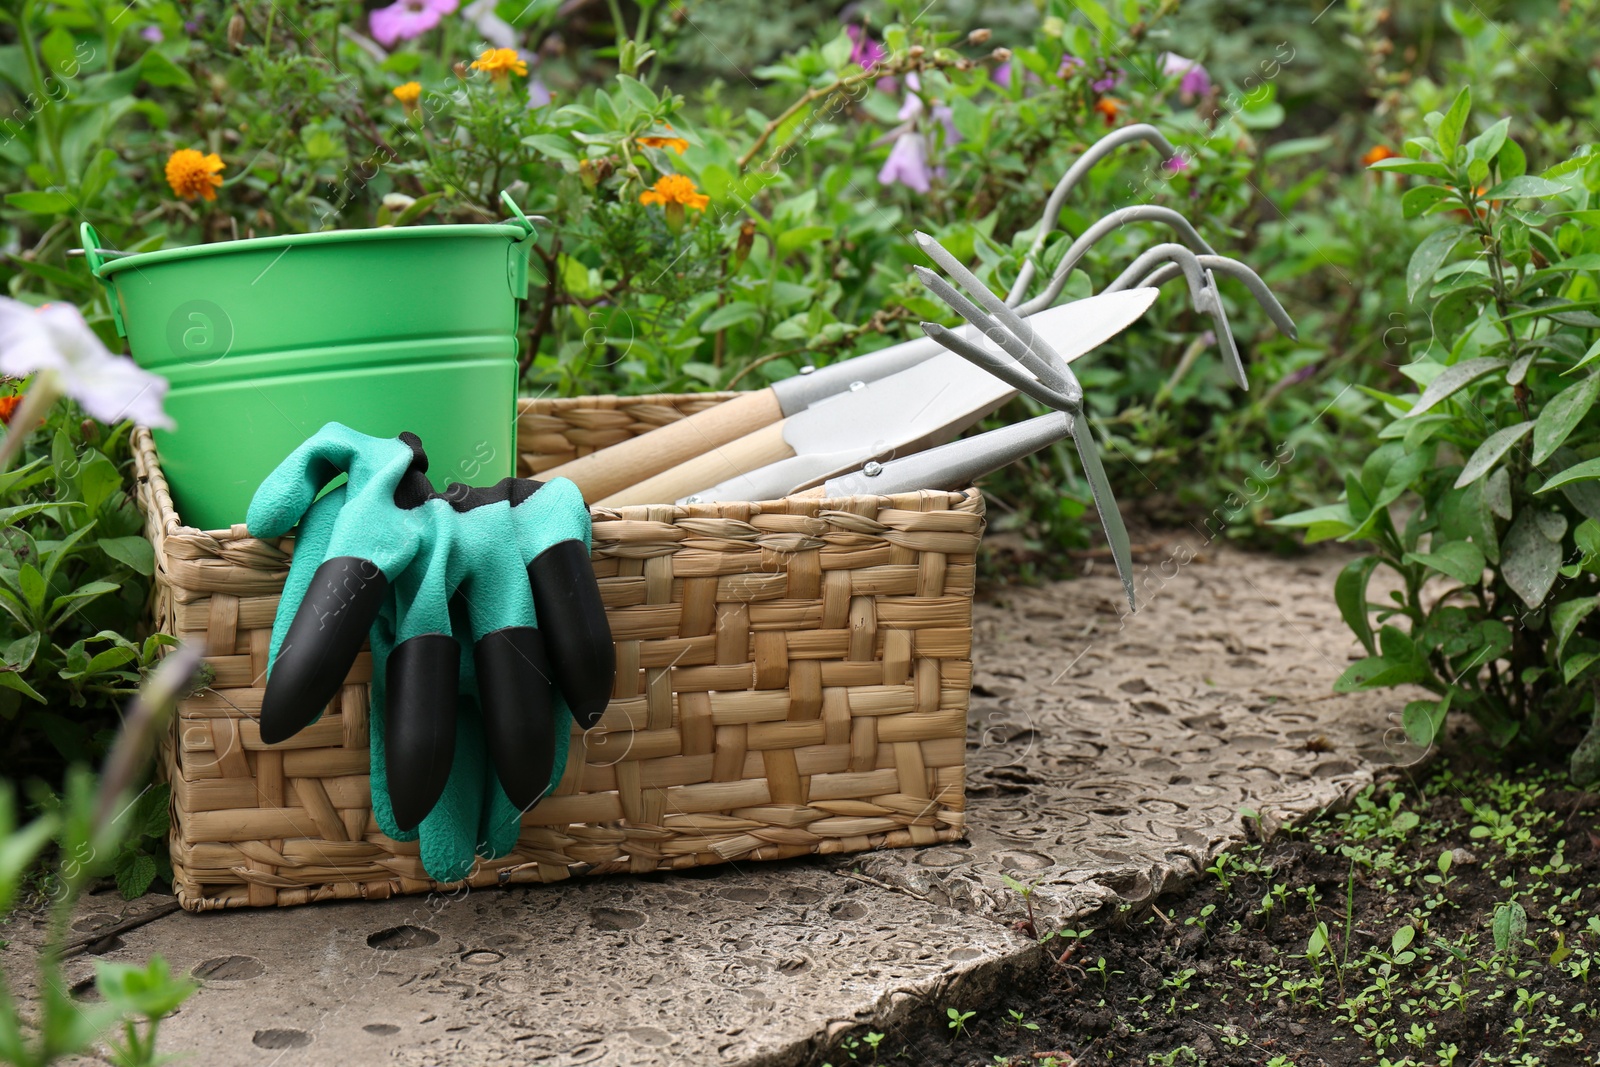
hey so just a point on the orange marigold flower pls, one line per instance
(8, 408)
(500, 62)
(677, 144)
(409, 93)
(675, 189)
(1110, 107)
(192, 174)
(1378, 153)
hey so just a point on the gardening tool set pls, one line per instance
(307, 372)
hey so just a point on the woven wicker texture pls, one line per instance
(792, 678)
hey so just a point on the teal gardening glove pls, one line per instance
(487, 632)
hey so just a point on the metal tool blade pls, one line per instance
(928, 404)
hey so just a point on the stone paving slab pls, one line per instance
(724, 965)
(1109, 759)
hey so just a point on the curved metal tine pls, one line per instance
(1094, 234)
(1106, 505)
(1233, 269)
(1202, 292)
(1034, 353)
(1001, 366)
(1084, 163)
(1186, 262)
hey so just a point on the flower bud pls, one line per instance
(979, 36)
(1001, 55)
(916, 51)
(747, 240)
(236, 30)
(90, 430)
(460, 70)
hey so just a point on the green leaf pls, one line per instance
(1488, 454)
(1461, 560)
(552, 145)
(1561, 416)
(1587, 471)
(32, 584)
(1402, 938)
(1486, 146)
(1565, 617)
(730, 314)
(1350, 593)
(1423, 719)
(135, 553)
(802, 237)
(1376, 672)
(135, 874)
(1448, 133)
(85, 592)
(1526, 186)
(18, 655)
(40, 203)
(1412, 166)
(98, 478)
(836, 53)
(1512, 161)
(1419, 199)
(157, 69)
(1529, 559)
(10, 679)
(1510, 926)
(1429, 257)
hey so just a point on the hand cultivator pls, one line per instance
(858, 426)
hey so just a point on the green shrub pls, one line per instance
(1480, 495)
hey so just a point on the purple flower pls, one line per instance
(1177, 164)
(866, 53)
(153, 34)
(405, 19)
(538, 92)
(1302, 374)
(1069, 63)
(908, 163)
(191, 26)
(1109, 80)
(1196, 81)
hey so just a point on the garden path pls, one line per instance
(1110, 758)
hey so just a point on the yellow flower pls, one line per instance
(192, 175)
(677, 144)
(675, 189)
(408, 94)
(500, 62)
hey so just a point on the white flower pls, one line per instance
(55, 338)
(496, 30)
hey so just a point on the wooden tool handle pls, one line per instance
(717, 465)
(602, 473)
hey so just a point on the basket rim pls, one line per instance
(147, 467)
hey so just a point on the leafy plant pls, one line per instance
(1480, 497)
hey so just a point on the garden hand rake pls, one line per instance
(1038, 370)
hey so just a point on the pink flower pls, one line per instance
(867, 53)
(1196, 81)
(908, 163)
(405, 19)
(1177, 164)
(1069, 63)
(153, 34)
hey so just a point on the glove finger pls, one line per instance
(513, 671)
(340, 603)
(423, 674)
(566, 599)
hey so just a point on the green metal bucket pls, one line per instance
(266, 340)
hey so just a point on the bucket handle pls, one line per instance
(517, 254)
(94, 255)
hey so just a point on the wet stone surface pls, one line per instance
(1109, 758)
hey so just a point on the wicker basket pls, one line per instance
(792, 678)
